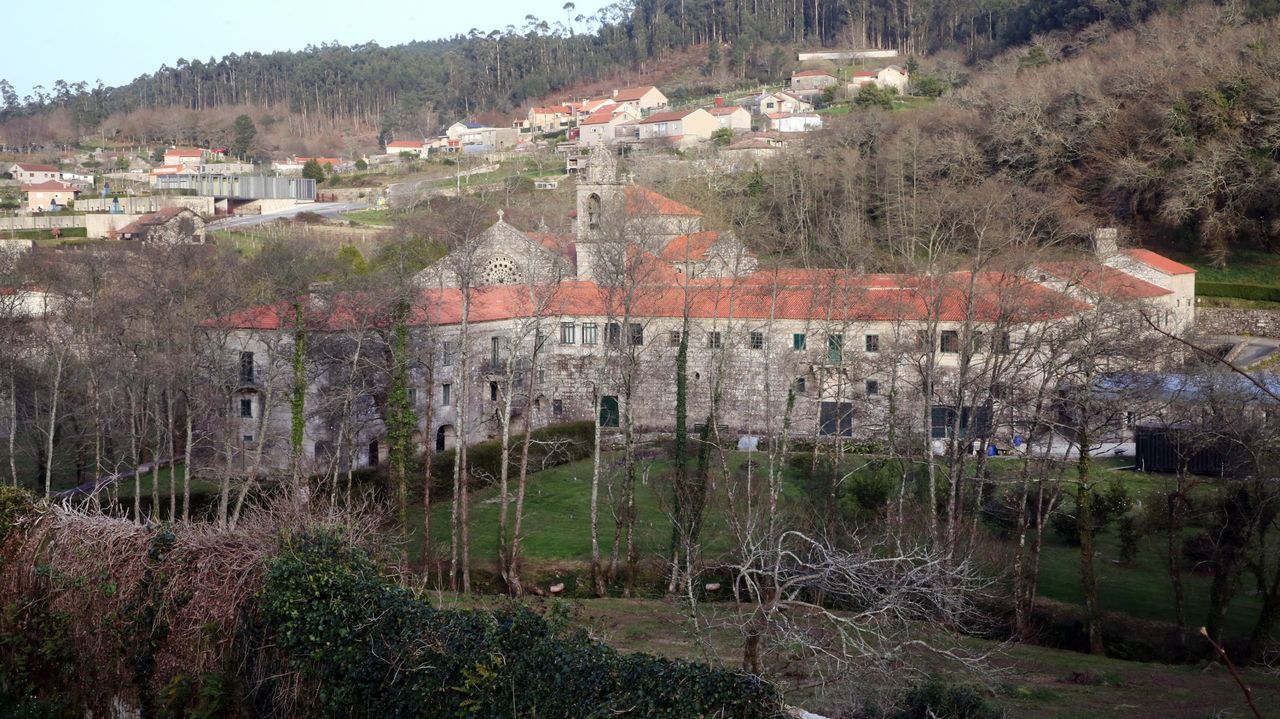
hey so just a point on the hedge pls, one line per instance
(1238, 291)
(312, 627)
(363, 646)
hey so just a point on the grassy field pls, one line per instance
(1249, 267)
(373, 218)
(558, 536)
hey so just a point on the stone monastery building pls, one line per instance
(544, 329)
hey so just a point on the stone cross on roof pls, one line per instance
(501, 213)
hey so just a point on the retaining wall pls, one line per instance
(1232, 321)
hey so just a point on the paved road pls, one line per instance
(326, 209)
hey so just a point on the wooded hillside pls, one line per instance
(412, 87)
(1169, 131)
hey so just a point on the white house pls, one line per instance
(773, 102)
(600, 127)
(34, 174)
(793, 121)
(646, 99)
(893, 77)
(415, 147)
(185, 156)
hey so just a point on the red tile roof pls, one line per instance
(48, 185)
(812, 73)
(643, 201)
(1159, 262)
(598, 118)
(35, 168)
(664, 293)
(669, 116)
(185, 152)
(726, 110)
(405, 143)
(1102, 280)
(690, 247)
(632, 94)
(159, 217)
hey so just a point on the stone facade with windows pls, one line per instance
(840, 343)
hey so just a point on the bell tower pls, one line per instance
(600, 202)
(599, 193)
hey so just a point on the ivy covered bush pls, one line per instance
(362, 646)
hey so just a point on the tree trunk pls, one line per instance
(1084, 520)
(597, 571)
(53, 425)
(186, 466)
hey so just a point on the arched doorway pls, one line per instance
(446, 438)
(373, 453)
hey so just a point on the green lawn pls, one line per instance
(372, 218)
(557, 532)
(557, 517)
(1249, 267)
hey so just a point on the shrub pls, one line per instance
(1130, 535)
(1114, 501)
(328, 614)
(937, 698)
(14, 503)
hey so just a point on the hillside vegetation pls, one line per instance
(1169, 130)
(413, 87)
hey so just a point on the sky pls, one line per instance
(93, 40)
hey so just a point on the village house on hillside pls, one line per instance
(637, 270)
(50, 195)
(770, 103)
(601, 127)
(793, 121)
(680, 127)
(893, 77)
(732, 117)
(812, 80)
(413, 147)
(33, 174)
(646, 99)
(169, 226)
(552, 118)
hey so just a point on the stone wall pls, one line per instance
(44, 221)
(1231, 321)
(100, 226)
(148, 203)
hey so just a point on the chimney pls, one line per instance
(615, 92)
(719, 102)
(319, 296)
(1105, 242)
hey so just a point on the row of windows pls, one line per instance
(612, 333)
(871, 386)
(949, 343)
